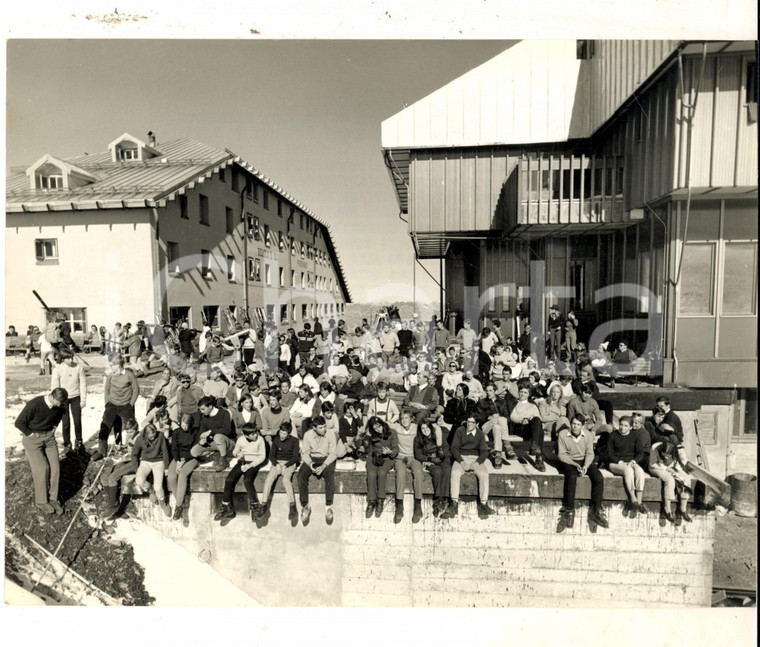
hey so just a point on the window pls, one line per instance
(46, 249)
(256, 234)
(292, 246)
(302, 221)
(270, 312)
(282, 277)
(303, 280)
(283, 313)
(584, 49)
(221, 175)
(265, 193)
(293, 314)
(304, 312)
(310, 279)
(172, 252)
(205, 263)
(183, 207)
(235, 181)
(203, 203)
(745, 422)
(292, 277)
(178, 314)
(231, 268)
(254, 269)
(279, 208)
(50, 181)
(739, 272)
(696, 294)
(230, 218)
(267, 274)
(249, 224)
(210, 316)
(128, 154)
(267, 241)
(281, 240)
(255, 192)
(303, 250)
(75, 317)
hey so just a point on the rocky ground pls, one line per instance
(99, 554)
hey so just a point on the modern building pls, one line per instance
(168, 231)
(615, 178)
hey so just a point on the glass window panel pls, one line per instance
(696, 295)
(739, 273)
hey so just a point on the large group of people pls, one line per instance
(406, 396)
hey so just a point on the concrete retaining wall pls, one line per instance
(515, 558)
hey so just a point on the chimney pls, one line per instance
(151, 138)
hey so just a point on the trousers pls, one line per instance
(275, 471)
(42, 454)
(469, 464)
(177, 481)
(151, 467)
(377, 478)
(248, 478)
(400, 465)
(571, 482)
(305, 473)
(633, 477)
(73, 410)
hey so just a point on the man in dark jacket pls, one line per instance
(423, 399)
(37, 421)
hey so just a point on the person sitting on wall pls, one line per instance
(318, 453)
(457, 409)
(284, 456)
(250, 454)
(112, 474)
(676, 483)
(184, 438)
(670, 418)
(576, 455)
(151, 453)
(349, 426)
(526, 422)
(624, 455)
(422, 399)
(273, 416)
(406, 432)
(434, 455)
(302, 411)
(379, 442)
(587, 406)
(217, 433)
(622, 359)
(469, 452)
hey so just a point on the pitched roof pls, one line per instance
(180, 166)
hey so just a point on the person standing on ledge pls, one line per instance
(70, 376)
(121, 391)
(37, 421)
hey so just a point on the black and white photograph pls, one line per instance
(305, 316)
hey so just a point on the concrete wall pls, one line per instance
(515, 558)
(104, 265)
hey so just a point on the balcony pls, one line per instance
(576, 193)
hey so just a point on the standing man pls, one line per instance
(389, 342)
(186, 336)
(556, 324)
(70, 376)
(37, 421)
(466, 337)
(120, 392)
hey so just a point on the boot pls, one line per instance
(485, 510)
(598, 517)
(452, 511)
(399, 511)
(439, 505)
(417, 514)
(379, 507)
(177, 512)
(370, 510)
(111, 505)
(667, 512)
(225, 512)
(293, 513)
(102, 451)
(540, 466)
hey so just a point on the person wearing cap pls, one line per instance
(555, 326)
(469, 451)
(423, 399)
(318, 453)
(70, 376)
(37, 422)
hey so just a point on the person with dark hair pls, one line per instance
(406, 432)
(151, 453)
(457, 409)
(244, 413)
(318, 453)
(305, 342)
(250, 452)
(435, 457)
(285, 456)
(526, 421)
(215, 387)
(469, 452)
(186, 398)
(186, 337)
(217, 433)
(70, 376)
(380, 443)
(670, 417)
(236, 390)
(555, 326)
(112, 475)
(37, 421)
(121, 392)
(272, 417)
(676, 483)
(624, 453)
(576, 454)
(382, 405)
(587, 406)
(156, 407)
(184, 439)
(302, 410)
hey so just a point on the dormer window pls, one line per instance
(128, 153)
(49, 173)
(128, 148)
(46, 182)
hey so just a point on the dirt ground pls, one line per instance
(735, 560)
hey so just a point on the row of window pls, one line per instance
(308, 280)
(266, 235)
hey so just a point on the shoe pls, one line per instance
(510, 453)
(399, 515)
(97, 456)
(451, 511)
(329, 516)
(497, 461)
(57, 507)
(632, 509)
(485, 510)
(42, 371)
(46, 508)
(417, 514)
(166, 508)
(153, 498)
(293, 513)
(305, 514)
(67, 451)
(177, 513)
(225, 512)
(379, 507)
(685, 516)
(255, 508)
(540, 466)
(641, 508)
(370, 509)
(598, 517)
(109, 510)
(220, 463)
(79, 447)
(668, 516)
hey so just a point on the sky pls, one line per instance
(307, 113)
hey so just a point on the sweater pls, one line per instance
(239, 419)
(523, 410)
(427, 450)
(72, 379)
(182, 442)
(572, 450)
(219, 423)
(406, 439)
(38, 417)
(121, 389)
(465, 444)
(271, 421)
(215, 388)
(625, 448)
(151, 452)
(253, 452)
(286, 451)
